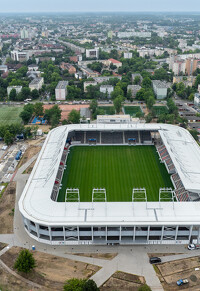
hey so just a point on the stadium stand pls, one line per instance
(111, 137)
(79, 136)
(145, 136)
(93, 135)
(131, 134)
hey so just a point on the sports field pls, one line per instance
(132, 110)
(10, 114)
(119, 169)
(110, 110)
(160, 110)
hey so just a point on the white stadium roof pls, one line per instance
(36, 204)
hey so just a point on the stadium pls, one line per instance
(108, 184)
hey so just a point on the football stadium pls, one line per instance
(105, 183)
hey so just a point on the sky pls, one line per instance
(99, 5)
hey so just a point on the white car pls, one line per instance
(193, 247)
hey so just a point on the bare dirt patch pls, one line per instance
(11, 283)
(163, 254)
(30, 152)
(30, 168)
(7, 205)
(2, 246)
(106, 256)
(51, 271)
(170, 272)
(123, 281)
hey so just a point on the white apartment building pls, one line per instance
(92, 53)
(197, 99)
(134, 89)
(36, 84)
(17, 88)
(106, 89)
(61, 90)
(127, 34)
(19, 56)
(89, 83)
(128, 55)
(160, 89)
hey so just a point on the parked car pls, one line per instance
(182, 281)
(154, 260)
(193, 247)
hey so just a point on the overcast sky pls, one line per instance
(98, 5)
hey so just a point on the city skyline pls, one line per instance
(11, 6)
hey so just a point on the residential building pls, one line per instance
(61, 90)
(17, 88)
(114, 62)
(128, 55)
(36, 84)
(88, 72)
(74, 59)
(92, 53)
(136, 75)
(33, 67)
(127, 34)
(191, 66)
(160, 89)
(197, 99)
(106, 89)
(19, 56)
(3, 68)
(134, 89)
(188, 81)
(89, 83)
(66, 66)
(24, 33)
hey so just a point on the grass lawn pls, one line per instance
(10, 114)
(117, 168)
(132, 110)
(108, 109)
(160, 110)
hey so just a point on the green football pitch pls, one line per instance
(118, 169)
(10, 114)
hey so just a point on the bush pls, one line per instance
(25, 262)
(144, 287)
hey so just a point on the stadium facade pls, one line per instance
(67, 223)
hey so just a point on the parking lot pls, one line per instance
(8, 162)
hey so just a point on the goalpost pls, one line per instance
(139, 195)
(99, 195)
(72, 195)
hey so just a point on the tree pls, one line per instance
(74, 285)
(35, 94)
(74, 116)
(38, 109)
(25, 93)
(25, 262)
(13, 95)
(144, 288)
(27, 113)
(8, 138)
(53, 115)
(150, 102)
(146, 83)
(80, 285)
(90, 285)
(129, 95)
(194, 133)
(137, 80)
(118, 103)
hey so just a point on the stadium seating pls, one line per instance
(131, 134)
(145, 136)
(79, 136)
(93, 135)
(111, 137)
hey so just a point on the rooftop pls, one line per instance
(35, 202)
(62, 85)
